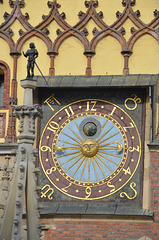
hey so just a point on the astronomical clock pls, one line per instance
(91, 145)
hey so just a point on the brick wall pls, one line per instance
(78, 228)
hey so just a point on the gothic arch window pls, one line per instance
(4, 84)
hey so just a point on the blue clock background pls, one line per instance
(111, 150)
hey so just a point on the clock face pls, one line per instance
(90, 149)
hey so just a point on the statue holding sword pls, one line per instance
(32, 54)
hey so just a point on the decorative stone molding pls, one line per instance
(81, 15)
(11, 3)
(137, 13)
(41, 29)
(21, 3)
(91, 3)
(6, 15)
(63, 15)
(156, 13)
(21, 111)
(58, 32)
(21, 32)
(100, 15)
(24, 179)
(132, 2)
(46, 31)
(26, 16)
(122, 31)
(27, 114)
(133, 30)
(85, 32)
(95, 31)
(124, 2)
(10, 32)
(12, 101)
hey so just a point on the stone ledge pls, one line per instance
(154, 146)
(28, 83)
(94, 209)
(132, 80)
(8, 148)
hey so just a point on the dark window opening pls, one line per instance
(1, 86)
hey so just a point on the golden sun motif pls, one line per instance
(90, 155)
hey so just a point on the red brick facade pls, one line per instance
(108, 227)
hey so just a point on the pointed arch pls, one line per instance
(30, 34)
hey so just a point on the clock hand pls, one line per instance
(111, 143)
(62, 148)
(118, 149)
(58, 149)
(69, 143)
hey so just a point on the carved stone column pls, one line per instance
(5, 184)
(24, 180)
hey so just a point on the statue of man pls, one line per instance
(32, 54)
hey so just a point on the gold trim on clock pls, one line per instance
(94, 166)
